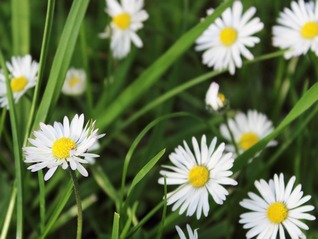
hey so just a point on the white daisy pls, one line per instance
(213, 99)
(225, 40)
(298, 29)
(127, 19)
(192, 234)
(23, 76)
(199, 174)
(62, 145)
(247, 130)
(75, 82)
(277, 208)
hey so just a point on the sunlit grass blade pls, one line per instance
(153, 73)
(115, 231)
(62, 59)
(9, 214)
(20, 26)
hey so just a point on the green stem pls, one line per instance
(78, 203)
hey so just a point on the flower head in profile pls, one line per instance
(198, 174)
(22, 76)
(277, 208)
(297, 31)
(127, 19)
(215, 100)
(193, 234)
(225, 40)
(63, 145)
(75, 82)
(247, 130)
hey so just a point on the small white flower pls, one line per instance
(277, 208)
(224, 41)
(199, 174)
(213, 99)
(192, 234)
(127, 19)
(247, 130)
(297, 31)
(75, 82)
(62, 145)
(23, 76)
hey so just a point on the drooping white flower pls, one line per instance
(198, 175)
(213, 99)
(225, 40)
(75, 82)
(247, 130)
(278, 208)
(297, 31)
(23, 76)
(193, 234)
(127, 19)
(62, 145)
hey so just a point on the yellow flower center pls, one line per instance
(221, 97)
(198, 176)
(228, 36)
(248, 140)
(74, 81)
(18, 83)
(62, 147)
(122, 20)
(277, 212)
(309, 30)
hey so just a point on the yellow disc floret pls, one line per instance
(122, 20)
(221, 97)
(228, 36)
(18, 83)
(62, 147)
(74, 81)
(198, 176)
(309, 30)
(248, 140)
(277, 212)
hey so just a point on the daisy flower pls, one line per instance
(23, 75)
(277, 208)
(192, 234)
(127, 19)
(75, 82)
(62, 145)
(247, 130)
(297, 31)
(213, 99)
(199, 174)
(225, 40)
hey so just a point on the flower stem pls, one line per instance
(78, 203)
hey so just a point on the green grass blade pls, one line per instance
(145, 170)
(153, 73)
(62, 59)
(115, 231)
(304, 103)
(20, 10)
(17, 150)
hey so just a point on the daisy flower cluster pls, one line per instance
(22, 77)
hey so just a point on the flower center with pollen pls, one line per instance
(309, 30)
(198, 176)
(74, 81)
(122, 20)
(18, 83)
(228, 36)
(62, 147)
(221, 97)
(248, 140)
(277, 212)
